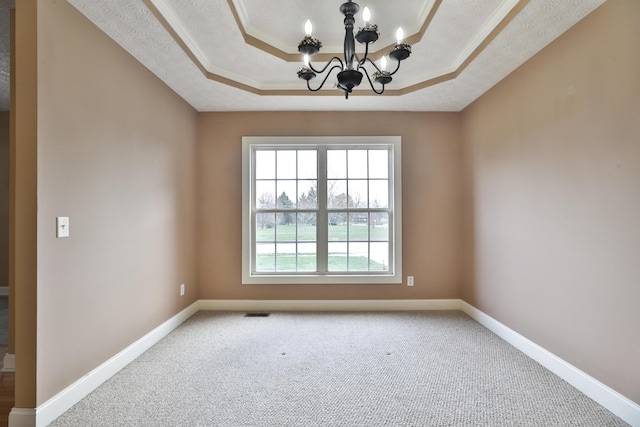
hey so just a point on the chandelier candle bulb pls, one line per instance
(383, 63)
(400, 35)
(366, 16)
(306, 61)
(308, 28)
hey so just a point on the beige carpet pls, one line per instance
(335, 369)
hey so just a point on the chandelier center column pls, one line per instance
(349, 9)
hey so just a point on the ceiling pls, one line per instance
(241, 55)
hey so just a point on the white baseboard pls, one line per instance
(9, 363)
(22, 417)
(329, 305)
(71, 395)
(622, 407)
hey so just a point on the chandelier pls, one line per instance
(352, 67)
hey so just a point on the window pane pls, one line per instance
(265, 164)
(307, 227)
(286, 227)
(265, 230)
(336, 164)
(307, 164)
(358, 257)
(379, 226)
(358, 229)
(286, 257)
(307, 257)
(337, 257)
(265, 194)
(307, 194)
(357, 164)
(378, 164)
(337, 227)
(358, 197)
(379, 256)
(286, 164)
(286, 191)
(265, 257)
(337, 194)
(379, 193)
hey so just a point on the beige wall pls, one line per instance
(552, 198)
(116, 153)
(431, 180)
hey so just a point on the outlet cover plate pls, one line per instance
(62, 226)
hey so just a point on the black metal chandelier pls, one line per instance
(352, 67)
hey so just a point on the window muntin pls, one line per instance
(321, 210)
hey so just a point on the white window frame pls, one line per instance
(394, 275)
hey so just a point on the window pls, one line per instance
(321, 210)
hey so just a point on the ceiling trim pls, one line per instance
(508, 11)
(240, 16)
(170, 22)
(487, 33)
(251, 36)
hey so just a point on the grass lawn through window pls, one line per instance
(290, 233)
(287, 262)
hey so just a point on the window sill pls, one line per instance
(380, 279)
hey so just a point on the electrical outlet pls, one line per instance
(182, 290)
(409, 280)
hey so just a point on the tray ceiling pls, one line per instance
(241, 55)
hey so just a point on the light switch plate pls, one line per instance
(62, 226)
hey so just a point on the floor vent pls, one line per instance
(257, 315)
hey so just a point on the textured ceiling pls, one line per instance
(241, 55)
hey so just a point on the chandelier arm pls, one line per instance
(366, 73)
(364, 59)
(325, 78)
(396, 70)
(327, 65)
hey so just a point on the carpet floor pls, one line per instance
(435, 368)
